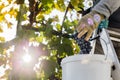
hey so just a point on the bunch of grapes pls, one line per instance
(84, 45)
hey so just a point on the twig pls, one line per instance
(65, 16)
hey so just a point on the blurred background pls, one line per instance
(34, 37)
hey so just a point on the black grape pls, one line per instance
(85, 46)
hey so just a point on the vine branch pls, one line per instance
(65, 16)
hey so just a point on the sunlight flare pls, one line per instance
(27, 58)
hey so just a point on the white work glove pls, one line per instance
(88, 24)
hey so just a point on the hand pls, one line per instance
(88, 24)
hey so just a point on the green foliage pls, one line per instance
(60, 5)
(53, 47)
(47, 6)
(49, 67)
(77, 4)
(69, 26)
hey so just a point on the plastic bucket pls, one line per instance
(86, 67)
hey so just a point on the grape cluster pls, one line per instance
(84, 45)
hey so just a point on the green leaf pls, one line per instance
(77, 4)
(58, 26)
(49, 67)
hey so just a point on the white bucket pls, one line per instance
(86, 67)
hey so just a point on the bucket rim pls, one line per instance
(80, 57)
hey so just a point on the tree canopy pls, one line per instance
(43, 29)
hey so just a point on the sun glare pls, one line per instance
(27, 58)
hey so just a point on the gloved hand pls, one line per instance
(88, 24)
